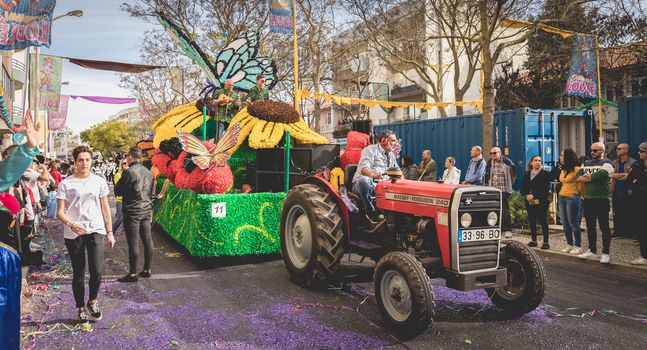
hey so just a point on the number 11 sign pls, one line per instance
(219, 210)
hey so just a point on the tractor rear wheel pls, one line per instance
(404, 294)
(312, 239)
(526, 280)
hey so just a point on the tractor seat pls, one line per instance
(349, 172)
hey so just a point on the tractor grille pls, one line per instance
(481, 200)
(481, 255)
(473, 256)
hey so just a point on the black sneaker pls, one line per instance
(545, 246)
(128, 278)
(145, 273)
(94, 310)
(83, 318)
(532, 244)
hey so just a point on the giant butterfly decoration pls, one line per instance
(237, 60)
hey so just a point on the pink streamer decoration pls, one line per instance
(56, 120)
(105, 99)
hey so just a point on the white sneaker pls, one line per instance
(639, 261)
(605, 259)
(567, 249)
(508, 234)
(576, 251)
(587, 254)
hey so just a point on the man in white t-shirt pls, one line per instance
(83, 207)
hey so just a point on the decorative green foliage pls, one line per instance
(518, 213)
(250, 225)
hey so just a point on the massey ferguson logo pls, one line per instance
(468, 201)
(441, 202)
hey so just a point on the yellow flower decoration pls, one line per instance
(186, 117)
(265, 122)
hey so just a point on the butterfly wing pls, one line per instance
(237, 61)
(203, 161)
(259, 66)
(233, 56)
(191, 144)
(221, 153)
(188, 47)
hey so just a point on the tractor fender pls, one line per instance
(318, 179)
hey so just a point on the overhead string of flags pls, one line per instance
(339, 100)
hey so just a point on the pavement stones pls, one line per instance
(623, 250)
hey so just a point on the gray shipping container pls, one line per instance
(521, 133)
(632, 122)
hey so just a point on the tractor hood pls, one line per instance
(414, 197)
(413, 192)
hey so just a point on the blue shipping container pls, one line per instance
(521, 134)
(632, 122)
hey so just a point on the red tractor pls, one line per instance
(428, 230)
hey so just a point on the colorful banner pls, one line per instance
(112, 66)
(51, 70)
(281, 16)
(583, 74)
(56, 120)
(25, 23)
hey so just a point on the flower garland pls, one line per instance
(3, 109)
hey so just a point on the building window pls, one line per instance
(329, 118)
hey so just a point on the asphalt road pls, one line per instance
(203, 304)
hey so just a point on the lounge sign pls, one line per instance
(25, 23)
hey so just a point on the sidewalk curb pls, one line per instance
(624, 267)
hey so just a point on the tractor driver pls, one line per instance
(373, 163)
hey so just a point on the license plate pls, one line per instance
(478, 235)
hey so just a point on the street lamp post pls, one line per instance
(75, 13)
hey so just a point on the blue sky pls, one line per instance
(104, 32)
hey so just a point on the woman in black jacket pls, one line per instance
(534, 188)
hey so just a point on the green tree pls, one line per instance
(110, 136)
(540, 84)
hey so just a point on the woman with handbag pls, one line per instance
(534, 188)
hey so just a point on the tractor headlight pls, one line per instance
(492, 218)
(466, 220)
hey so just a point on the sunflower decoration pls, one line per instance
(186, 117)
(264, 122)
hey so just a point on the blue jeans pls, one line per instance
(119, 217)
(570, 211)
(365, 188)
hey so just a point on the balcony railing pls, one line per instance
(18, 70)
(18, 65)
(17, 113)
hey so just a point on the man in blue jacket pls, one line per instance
(501, 173)
(476, 168)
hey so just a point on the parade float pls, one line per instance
(223, 195)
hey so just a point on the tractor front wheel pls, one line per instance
(526, 280)
(312, 239)
(404, 294)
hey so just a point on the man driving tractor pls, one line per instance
(373, 163)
